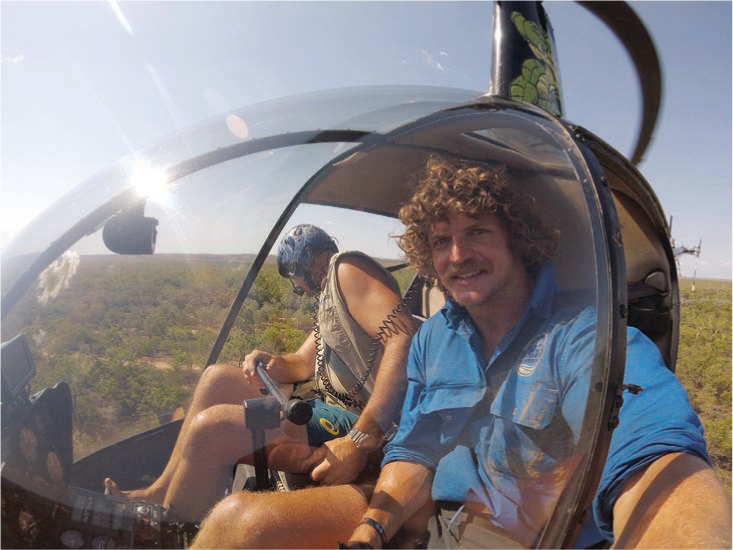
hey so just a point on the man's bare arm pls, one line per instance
(370, 301)
(403, 488)
(286, 368)
(675, 502)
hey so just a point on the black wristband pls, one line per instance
(378, 528)
(349, 545)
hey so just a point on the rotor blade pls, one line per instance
(635, 37)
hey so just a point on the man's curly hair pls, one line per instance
(450, 187)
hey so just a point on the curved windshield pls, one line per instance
(117, 342)
(365, 109)
(131, 333)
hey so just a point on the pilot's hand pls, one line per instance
(251, 360)
(342, 462)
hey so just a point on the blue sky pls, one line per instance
(85, 83)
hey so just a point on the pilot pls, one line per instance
(486, 463)
(356, 354)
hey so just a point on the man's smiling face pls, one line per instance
(473, 259)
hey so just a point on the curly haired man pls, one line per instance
(489, 428)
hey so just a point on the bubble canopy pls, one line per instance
(194, 222)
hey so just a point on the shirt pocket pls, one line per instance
(453, 405)
(523, 443)
(526, 402)
(332, 331)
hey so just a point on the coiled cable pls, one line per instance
(386, 329)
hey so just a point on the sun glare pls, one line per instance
(120, 16)
(150, 182)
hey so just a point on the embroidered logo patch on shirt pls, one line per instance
(534, 354)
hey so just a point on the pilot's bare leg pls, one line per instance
(216, 438)
(318, 517)
(219, 384)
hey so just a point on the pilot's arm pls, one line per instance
(370, 300)
(675, 502)
(287, 368)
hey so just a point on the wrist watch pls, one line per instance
(359, 438)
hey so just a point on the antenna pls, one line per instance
(680, 250)
(697, 259)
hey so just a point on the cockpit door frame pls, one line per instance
(563, 527)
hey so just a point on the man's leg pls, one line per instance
(317, 517)
(219, 384)
(215, 440)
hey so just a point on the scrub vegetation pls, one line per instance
(131, 334)
(704, 363)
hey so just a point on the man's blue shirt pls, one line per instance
(515, 457)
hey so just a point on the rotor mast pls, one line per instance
(524, 64)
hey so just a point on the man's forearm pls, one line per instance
(385, 403)
(297, 366)
(403, 488)
(676, 502)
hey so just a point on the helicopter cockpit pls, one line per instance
(117, 298)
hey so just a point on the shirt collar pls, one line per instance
(543, 292)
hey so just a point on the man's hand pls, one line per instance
(251, 360)
(341, 462)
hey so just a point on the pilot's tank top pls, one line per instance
(348, 351)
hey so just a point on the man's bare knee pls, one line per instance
(231, 523)
(208, 430)
(217, 377)
(224, 384)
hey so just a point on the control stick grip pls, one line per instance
(296, 411)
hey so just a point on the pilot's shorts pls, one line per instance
(328, 422)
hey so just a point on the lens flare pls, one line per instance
(237, 126)
(150, 182)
